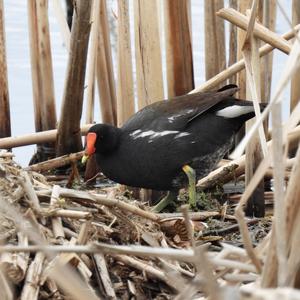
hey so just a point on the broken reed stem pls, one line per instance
(218, 174)
(35, 138)
(99, 199)
(295, 89)
(104, 70)
(7, 291)
(144, 267)
(57, 226)
(28, 188)
(31, 287)
(258, 146)
(84, 233)
(259, 31)
(148, 53)
(215, 61)
(101, 266)
(90, 93)
(5, 127)
(279, 211)
(240, 65)
(188, 225)
(169, 253)
(55, 162)
(125, 90)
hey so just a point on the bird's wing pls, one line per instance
(176, 113)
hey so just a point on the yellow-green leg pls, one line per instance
(191, 174)
(164, 202)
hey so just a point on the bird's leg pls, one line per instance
(191, 174)
(165, 201)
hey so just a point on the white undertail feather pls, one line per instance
(234, 111)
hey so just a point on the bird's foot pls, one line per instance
(164, 202)
(191, 174)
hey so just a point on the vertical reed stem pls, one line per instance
(68, 137)
(180, 76)
(147, 53)
(295, 86)
(5, 129)
(42, 73)
(105, 75)
(125, 92)
(215, 61)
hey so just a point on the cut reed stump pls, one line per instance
(180, 76)
(90, 91)
(5, 129)
(148, 56)
(148, 53)
(215, 57)
(256, 203)
(243, 5)
(125, 91)
(232, 42)
(69, 138)
(269, 21)
(42, 75)
(104, 70)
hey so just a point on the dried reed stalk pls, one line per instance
(147, 53)
(236, 167)
(5, 129)
(31, 287)
(90, 92)
(169, 253)
(68, 136)
(215, 61)
(55, 162)
(7, 291)
(35, 138)
(99, 199)
(241, 35)
(102, 270)
(125, 92)
(258, 145)
(295, 89)
(29, 190)
(269, 21)
(240, 65)
(15, 265)
(57, 226)
(259, 31)
(179, 59)
(232, 41)
(62, 22)
(147, 268)
(41, 65)
(290, 67)
(279, 209)
(104, 71)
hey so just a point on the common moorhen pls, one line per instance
(170, 143)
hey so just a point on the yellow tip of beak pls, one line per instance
(84, 158)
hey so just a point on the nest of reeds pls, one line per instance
(60, 243)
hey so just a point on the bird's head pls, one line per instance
(101, 138)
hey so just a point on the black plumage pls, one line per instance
(151, 148)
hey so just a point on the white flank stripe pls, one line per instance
(152, 134)
(234, 111)
(179, 135)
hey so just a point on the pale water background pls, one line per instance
(19, 71)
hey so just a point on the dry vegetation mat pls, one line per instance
(60, 243)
